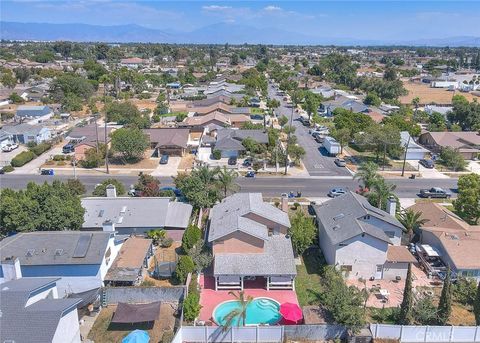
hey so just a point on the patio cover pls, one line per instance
(136, 313)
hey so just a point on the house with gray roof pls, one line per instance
(136, 215)
(33, 114)
(229, 140)
(80, 259)
(249, 242)
(327, 107)
(361, 240)
(26, 133)
(31, 311)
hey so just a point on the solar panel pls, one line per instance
(82, 245)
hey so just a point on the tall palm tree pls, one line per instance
(382, 191)
(367, 173)
(238, 315)
(412, 221)
(226, 180)
(206, 174)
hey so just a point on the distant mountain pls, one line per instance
(214, 34)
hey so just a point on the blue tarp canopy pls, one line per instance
(137, 336)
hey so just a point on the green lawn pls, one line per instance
(256, 110)
(307, 282)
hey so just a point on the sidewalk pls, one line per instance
(427, 173)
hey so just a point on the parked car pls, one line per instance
(319, 138)
(340, 162)
(427, 163)
(175, 190)
(46, 172)
(232, 161)
(247, 162)
(164, 159)
(68, 148)
(250, 173)
(435, 192)
(2, 171)
(336, 192)
(10, 147)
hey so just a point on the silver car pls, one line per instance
(336, 192)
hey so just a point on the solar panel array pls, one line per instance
(82, 245)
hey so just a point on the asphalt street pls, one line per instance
(269, 186)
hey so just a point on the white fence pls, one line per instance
(437, 334)
(205, 334)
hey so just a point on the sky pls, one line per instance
(396, 20)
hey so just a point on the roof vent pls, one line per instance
(30, 253)
(339, 216)
(454, 237)
(124, 209)
(58, 252)
(100, 213)
(120, 220)
(336, 227)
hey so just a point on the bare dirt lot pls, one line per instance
(428, 95)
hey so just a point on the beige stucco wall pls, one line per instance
(238, 242)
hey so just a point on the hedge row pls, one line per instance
(40, 148)
(22, 158)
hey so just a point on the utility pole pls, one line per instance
(105, 139)
(74, 166)
(405, 157)
(96, 128)
(288, 138)
(384, 154)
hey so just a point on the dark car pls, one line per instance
(68, 148)
(176, 191)
(250, 174)
(46, 172)
(2, 171)
(232, 161)
(247, 162)
(164, 159)
(427, 163)
(435, 192)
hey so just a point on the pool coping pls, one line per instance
(226, 301)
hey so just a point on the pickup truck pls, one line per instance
(434, 192)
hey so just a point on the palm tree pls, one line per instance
(411, 220)
(382, 191)
(239, 314)
(367, 173)
(226, 180)
(206, 174)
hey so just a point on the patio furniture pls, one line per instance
(291, 312)
(384, 293)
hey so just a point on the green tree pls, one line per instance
(412, 221)
(282, 121)
(69, 89)
(8, 79)
(127, 113)
(425, 311)
(381, 192)
(238, 316)
(296, 152)
(406, 308)
(311, 103)
(131, 143)
(101, 189)
(191, 306)
(467, 204)
(372, 99)
(76, 187)
(199, 187)
(191, 236)
(343, 136)
(226, 180)
(476, 306)
(147, 186)
(368, 174)
(185, 266)
(16, 99)
(303, 231)
(445, 304)
(452, 158)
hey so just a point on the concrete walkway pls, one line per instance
(427, 173)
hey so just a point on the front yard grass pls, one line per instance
(256, 110)
(307, 282)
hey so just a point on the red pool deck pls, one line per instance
(210, 298)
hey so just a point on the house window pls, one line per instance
(346, 268)
(390, 234)
(270, 231)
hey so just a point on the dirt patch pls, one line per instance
(104, 331)
(428, 95)
(186, 162)
(162, 255)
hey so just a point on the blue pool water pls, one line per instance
(259, 311)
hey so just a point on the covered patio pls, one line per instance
(235, 282)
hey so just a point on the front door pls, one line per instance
(379, 272)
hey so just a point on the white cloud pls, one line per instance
(216, 8)
(271, 8)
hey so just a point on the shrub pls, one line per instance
(59, 158)
(76, 187)
(217, 154)
(191, 236)
(296, 205)
(22, 158)
(61, 163)
(40, 148)
(147, 283)
(50, 163)
(185, 265)
(101, 189)
(166, 242)
(156, 118)
(8, 169)
(191, 307)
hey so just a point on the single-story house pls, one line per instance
(136, 215)
(229, 141)
(33, 114)
(168, 141)
(131, 264)
(414, 150)
(466, 142)
(31, 311)
(80, 259)
(5, 138)
(327, 107)
(455, 240)
(217, 118)
(220, 107)
(85, 138)
(26, 133)
(361, 240)
(249, 242)
(226, 99)
(133, 62)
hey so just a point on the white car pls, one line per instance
(336, 192)
(9, 147)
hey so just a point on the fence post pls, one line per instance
(450, 339)
(401, 332)
(256, 333)
(282, 332)
(426, 333)
(477, 334)
(206, 333)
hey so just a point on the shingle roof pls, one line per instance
(439, 216)
(22, 129)
(56, 247)
(168, 137)
(37, 322)
(127, 212)
(341, 218)
(276, 259)
(398, 253)
(203, 120)
(32, 111)
(231, 139)
(229, 216)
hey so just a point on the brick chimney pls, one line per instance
(284, 204)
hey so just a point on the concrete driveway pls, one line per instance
(169, 169)
(6, 157)
(474, 167)
(33, 167)
(427, 173)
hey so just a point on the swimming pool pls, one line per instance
(259, 311)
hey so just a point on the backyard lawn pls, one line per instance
(307, 282)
